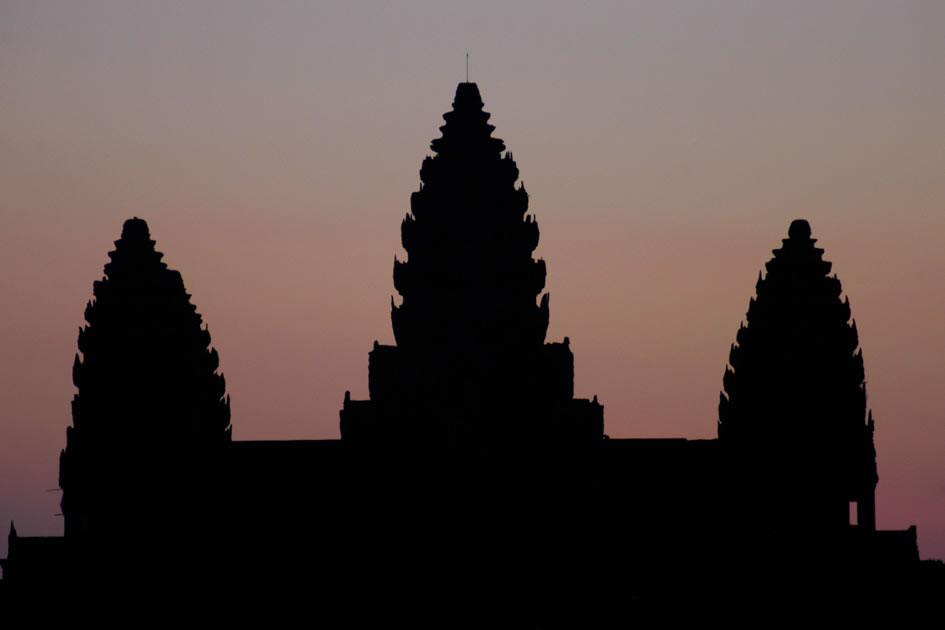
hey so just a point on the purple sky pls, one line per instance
(273, 147)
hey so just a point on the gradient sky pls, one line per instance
(273, 146)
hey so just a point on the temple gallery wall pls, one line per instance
(472, 449)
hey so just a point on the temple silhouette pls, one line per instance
(472, 456)
(471, 365)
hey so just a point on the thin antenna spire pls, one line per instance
(467, 67)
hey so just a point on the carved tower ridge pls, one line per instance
(470, 360)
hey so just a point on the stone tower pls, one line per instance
(470, 363)
(151, 407)
(794, 399)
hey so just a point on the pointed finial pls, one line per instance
(799, 230)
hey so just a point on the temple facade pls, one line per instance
(470, 364)
(471, 467)
(151, 409)
(794, 394)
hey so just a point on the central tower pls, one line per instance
(471, 363)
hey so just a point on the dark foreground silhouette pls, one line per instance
(472, 477)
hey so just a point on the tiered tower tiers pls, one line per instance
(471, 363)
(151, 407)
(795, 394)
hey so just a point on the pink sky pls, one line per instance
(273, 147)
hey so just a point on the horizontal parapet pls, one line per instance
(893, 547)
(587, 417)
(286, 464)
(689, 457)
(37, 562)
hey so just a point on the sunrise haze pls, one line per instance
(666, 148)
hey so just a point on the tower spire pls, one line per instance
(149, 392)
(470, 362)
